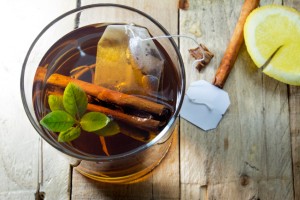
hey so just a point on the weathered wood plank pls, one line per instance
(248, 155)
(20, 149)
(55, 171)
(294, 105)
(166, 12)
(165, 178)
(163, 183)
(295, 136)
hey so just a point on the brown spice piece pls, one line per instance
(57, 83)
(147, 124)
(142, 123)
(104, 147)
(184, 4)
(110, 96)
(198, 54)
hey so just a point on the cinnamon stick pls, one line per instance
(110, 96)
(234, 45)
(146, 124)
(142, 123)
(137, 134)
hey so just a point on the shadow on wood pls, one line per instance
(161, 183)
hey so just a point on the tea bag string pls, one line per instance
(127, 28)
(210, 108)
(170, 36)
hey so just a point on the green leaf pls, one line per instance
(75, 100)
(93, 121)
(57, 121)
(55, 102)
(70, 134)
(112, 128)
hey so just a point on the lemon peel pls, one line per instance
(271, 28)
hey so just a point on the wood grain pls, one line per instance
(294, 102)
(27, 167)
(294, 105)
(54, 167)
(253, 154)
(248, 155)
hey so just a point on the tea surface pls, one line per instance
(73, 55)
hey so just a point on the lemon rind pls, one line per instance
(255, 18)
(285, 77)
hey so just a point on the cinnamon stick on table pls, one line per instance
(110, 96)
(235, 43)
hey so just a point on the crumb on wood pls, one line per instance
(184, 4)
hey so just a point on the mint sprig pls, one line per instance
(69, 117)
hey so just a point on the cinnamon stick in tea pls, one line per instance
(142, 123)
(146, 124)
(110, 96)
(137, 134)
(235, 43)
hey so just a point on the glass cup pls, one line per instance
(119, 168)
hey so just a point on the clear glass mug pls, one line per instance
(120, 168)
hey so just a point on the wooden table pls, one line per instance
(253, 154)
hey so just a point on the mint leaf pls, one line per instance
(75, 100)
(55, 102)
(69, 135)
(112, 128)
(70, 109)
(93, 121)
(57, 121)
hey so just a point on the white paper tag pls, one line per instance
(204, 105)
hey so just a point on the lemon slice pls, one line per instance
(274, 30)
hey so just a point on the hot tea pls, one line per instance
(138, 101)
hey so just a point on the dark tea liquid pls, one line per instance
(79, 48)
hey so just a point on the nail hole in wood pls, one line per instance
(244, 180)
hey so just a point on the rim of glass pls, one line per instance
(117, 156)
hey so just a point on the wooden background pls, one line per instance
(253, 154)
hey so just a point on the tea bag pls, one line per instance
(127, 62)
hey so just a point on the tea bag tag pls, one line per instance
(204, 105)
